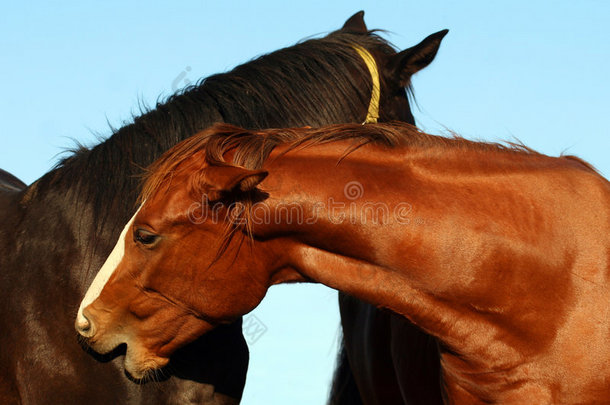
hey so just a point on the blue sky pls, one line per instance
(536, 71)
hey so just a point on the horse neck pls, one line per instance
(415, 193)
(318, 90)
(241, 97)
(341, 222)
(103, 182)
(456, 221)
(94, 191)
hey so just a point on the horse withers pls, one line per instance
(501, 253)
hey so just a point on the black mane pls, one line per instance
(253, 95)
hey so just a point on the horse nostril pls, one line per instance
(84, 326)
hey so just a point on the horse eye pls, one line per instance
(144, 237)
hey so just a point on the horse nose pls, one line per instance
(84, 326)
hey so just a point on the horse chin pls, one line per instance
(140, 363)
(104, 344)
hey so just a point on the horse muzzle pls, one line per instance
(84, 326)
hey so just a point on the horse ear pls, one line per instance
(410, 61)
(231, 179)
(356, 24)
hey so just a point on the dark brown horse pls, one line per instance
(57, 232)
(501, 253)
(8, 182)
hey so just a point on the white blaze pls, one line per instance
(106, 271)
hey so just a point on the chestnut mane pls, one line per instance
(252, 147)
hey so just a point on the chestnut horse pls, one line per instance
(60, 228)
(501, 253)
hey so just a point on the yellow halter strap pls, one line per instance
(373, 113)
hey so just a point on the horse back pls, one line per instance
(8, 182)
(9, 215)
